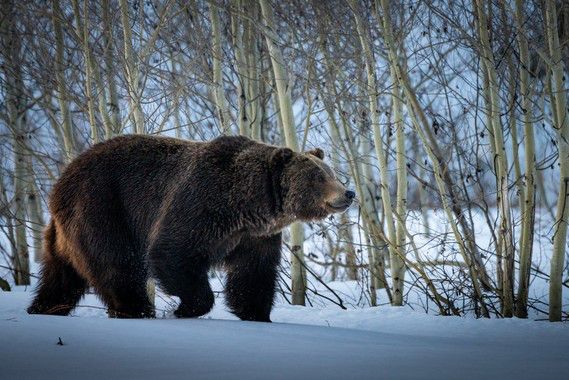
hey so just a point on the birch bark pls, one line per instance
(528, 207)
(287, 117)
(559, 100)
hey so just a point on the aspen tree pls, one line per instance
(110, 77)
(132, 72)
(16, 110)
(361, 172)
(35, 212)
(397, 264)
(395, 251)
(68, 139)
(92, 69)
(284, 98)
(20, 258)
(431, 145)
(559, 102)
(176, 100)
(241, 65)
(217, 59)
(379, 248)
(423, 201)
(528, 206)
(501, 163)
(9, 228)
(371, 224)
(344, 229)
(444, 183)
(252, 59)
(83, 31)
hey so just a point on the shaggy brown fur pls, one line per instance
(136, 207)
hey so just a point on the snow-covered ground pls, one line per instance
(320, 342)
(303, 343)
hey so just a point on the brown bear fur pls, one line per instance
(137, 206)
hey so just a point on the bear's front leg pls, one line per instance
(181, 270)
(251, 277)
(186, 278)
(196, 298)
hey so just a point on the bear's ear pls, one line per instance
(317, 152)
(281, 157)
(278, 161)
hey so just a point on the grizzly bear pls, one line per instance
(136, 207)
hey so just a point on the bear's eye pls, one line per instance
(318, 176)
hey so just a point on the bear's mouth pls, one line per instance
(338, 207)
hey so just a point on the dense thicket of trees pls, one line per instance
(450, 116)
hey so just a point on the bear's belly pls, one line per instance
(272, 228)
(224, 247)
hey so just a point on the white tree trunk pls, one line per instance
(528, 207)
(115, 126)
(35, 212)
(16, 110)
(361, 172)
(559, 100)
(68, 139)
(505, 230)
(466, 244)
(83, 31)
(395, 252)
(132, 72)
(217, 59)
(243, 79)
(287, 117)
(398, 265)
(252, 59)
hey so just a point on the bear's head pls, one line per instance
(305, 187)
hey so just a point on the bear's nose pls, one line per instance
(350, 194)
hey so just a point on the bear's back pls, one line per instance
(136, 173)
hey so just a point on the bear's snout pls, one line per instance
(342, 201)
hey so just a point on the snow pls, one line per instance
(303, 343)
(320, 342)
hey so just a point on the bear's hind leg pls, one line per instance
(60, 289)
(117, 268)
(123, 288)
(126, 298)
(251, 277)
(60, 286)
